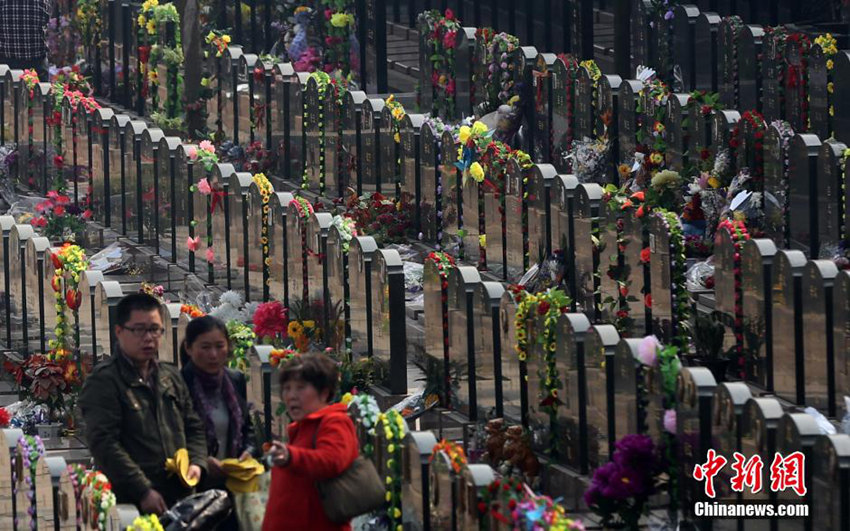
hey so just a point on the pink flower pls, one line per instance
(204, 187)
(63, 200)
(670, 421)
(192, 243)
(449, 39)
(206, 145)
(192, 152)
(52, 194)
(450, 88)
(648, 351)
(210, 255)
(87, 214)
(270, 320)
(59, 210)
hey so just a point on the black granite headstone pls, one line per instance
(841, 96)
(607, 109)
(627, 119)
(600, 345)
(803, 190)
(757, 257)
(562, 85)
(787, 299)
(695, 389)
(818, 96)
(544, 107)
(777, 143)
(818, 342)
(831, 482)
(685, 44)
(677, 131)
(706, 39)
(587, 219)
(643, 47)
(749, 78)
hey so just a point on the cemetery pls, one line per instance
(568, 256)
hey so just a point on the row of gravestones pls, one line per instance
(777, 71)
(48, 494)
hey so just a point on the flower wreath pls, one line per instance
(102, 497)
(483, 38)
(738, 232)
(678, 267)
(443, 30)
(754, 144)
(242, 338)
(264, 186)
(368, 414)
(395, 429)
(31, 449)
(796, 77)
(151, 51)
(651, 110)
(323, 80)
(69, 263)
(30, 80)
(454, 451)
(829, 46)
(77, 475)
(500, 79)
(338, 23)
(619, 307)
(444, 263)
(594, 73)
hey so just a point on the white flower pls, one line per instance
(232, 298)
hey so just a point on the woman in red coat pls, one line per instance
(322, 445)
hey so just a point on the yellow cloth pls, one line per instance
(179, 464)
(242, 476)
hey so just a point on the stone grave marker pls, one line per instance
(722, 125)
(296, 240)
(572, 428)
(540, 187)
(118, 173)
(677, 131)
(796, 90)
(728, 75)
(130, 193)
(543, 81)
(642, 44)
(165, 196)
(313, 122)
(627, 372)
(388, 321)
(360, 262)
(685, 44)
(169, 348)
(695, 390)
(495, 224)
(282, 76)
(338, 293)
(788, 357)
(516, 208)
(88, 311)
(610, 260)
(727, 430)
(333, 111)
(777, 143)
(636, 240)
(841, 97)
(101, 197)
(415, 493)
(627, 119)
(183, 214)
(443, 501)
(279, 248)
(803, 198)
(435, 288)
(706, 36)
(429, 153)
(600, 348)
(64, 514)
(818, 78)
(464, 55)
(107, 295)
(34, 502)
(749, 79)
(18, 240)
(797, 432)
(488, 348)
(773, 68)
(472, 221)
(318, 226)
(6, 258)
(247, 95)
(449, 194)
(370, 140)
(352, 141)
(411, 167)
(662, 264)
(229, 80)
(472, 486)
(514, 386)
(391, 157)
(8, 501)
(841, 332)
(584, 105)
(525, 58)
(699, 128)
(756, 303)
(607, 119)
(587, 221)
(296, 161)
(426, 67)
(759, 424)
(146, 185)
(564, 230)
(726, 282)
(820, 370)
(562, 100)
(40, 295)
(830, 482)
(830, 196)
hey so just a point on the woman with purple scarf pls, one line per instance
(219, 395)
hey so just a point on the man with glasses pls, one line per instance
(138, 412)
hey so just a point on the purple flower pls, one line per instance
(670, 421)
(636, 452)
(668, 15)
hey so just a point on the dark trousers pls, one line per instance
(39, 65)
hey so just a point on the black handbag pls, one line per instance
(202, 511)
(358, 490)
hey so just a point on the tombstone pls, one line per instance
(183, 214)
(352, 153)
(695, 389)
(219, 219)
(700, 137)
(314, 98)
(830, 482)
(588, 205)
(777, 142)
(335, 181)
(584, 105)
(726, 431)
(514, 385)
(8, 455)
(6, 258)
(729, 36)
(282, 80)
(749, 79)
(677, 131)
(495, 223)
(773, 68)
(600, 346)
(246, 93)
(610, 261)
(101, 196)
(18, 238)
(150, 173)
(64, 514)
(119, 172)
(294, 164)
(561, 137)
(629, 409)
(415, 492)
(130, 214)
(42, 136)
(448, 194)
(563, 227)
(425, 91)
(472, 490)
(756, 302)
(463, 350)
(840, 98)
(727, 283)
(371, 169)
(524, 58)
(107, 294)
(338, 294)
(443, 483)
(759, 436)
(40, 295)
(317, 227)
(627, 119)
(435, 298)
(543, 107)
(229, 81)
(464, 51)
(796, 89)
(540, 188)
(685, 44)
(88, 312)
(169, 348)
(818, 78)
(607, 120)
(642, 42)
(830, 196)
(516, 208)
(787, 298)
(266, 389)
(722, 125)
(663, 34)
(820, 358)
(797, 432)
(803, 194)
(361, 254)
(841, 332)
(165, 207)
(296, 241)
(279, 248)
(429, 156)
(411, 167)
(472, 222)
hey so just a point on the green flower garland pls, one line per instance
(395, 429)
(678, 284)
(618, 307)
(266, 190)
(595, 74)
(242, 338)
(323, 79)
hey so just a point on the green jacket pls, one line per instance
(132, 429)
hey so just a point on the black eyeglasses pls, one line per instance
(141, 331)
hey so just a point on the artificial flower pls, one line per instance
(192, 243)
(477, 172)
(648, 351)
(210, 255)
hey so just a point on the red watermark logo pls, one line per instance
(788, 472)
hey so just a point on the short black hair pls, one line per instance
(136, 301)
(316, 369)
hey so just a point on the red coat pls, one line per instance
(293, 499)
